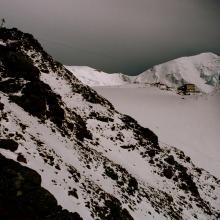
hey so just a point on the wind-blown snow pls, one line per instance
(93, 77)
(203, 70)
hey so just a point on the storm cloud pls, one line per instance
(126, 36)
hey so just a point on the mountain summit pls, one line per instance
(59, 134)
(202, 70)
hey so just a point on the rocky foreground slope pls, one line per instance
(96, 162)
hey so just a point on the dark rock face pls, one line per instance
(24, 78)
(170, 160)
(23, 198)
(11, 86)
(26, 41)
(91, 95)
(21, 158)
(111, 173)
(36, 96)
(73, 192)
(168, 172)
(140, 131)
(113, 211)
(132, 186)
(1, 106)
(8, 144)
(21, 75)
(18, 64)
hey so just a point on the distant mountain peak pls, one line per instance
(202, 70)
(93, 77)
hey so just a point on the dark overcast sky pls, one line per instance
(126, 36)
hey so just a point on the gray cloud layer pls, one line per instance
(118, 35)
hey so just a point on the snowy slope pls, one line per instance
(94, 160)
(93, 77)
(191, 123)
(203, 70)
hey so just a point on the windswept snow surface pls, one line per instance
(190, 123)
(93, 77)
(203, 70)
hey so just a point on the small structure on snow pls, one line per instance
(187, 88)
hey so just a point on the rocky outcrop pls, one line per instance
(23, 198)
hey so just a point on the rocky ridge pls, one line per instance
(95, 161)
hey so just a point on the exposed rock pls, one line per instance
(111, 173)
(23, 198)
(21, 158)
(170, 160)
(1, 106)
(168, 172)
(73, 192)
(140, 131)
(8, 144)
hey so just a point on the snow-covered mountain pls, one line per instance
(93, 77)
(96, 162)
(203, 70)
